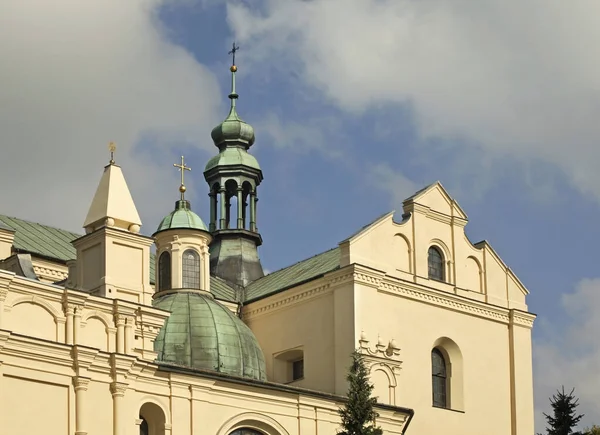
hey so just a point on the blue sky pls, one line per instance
(356, 105)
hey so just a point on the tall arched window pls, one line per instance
(164, 271)
(435, 262)
(439, 381)
(191, 269)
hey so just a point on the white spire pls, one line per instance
(113, 205)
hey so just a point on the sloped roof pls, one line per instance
(55, 244)
(293, 275)
(41, 239)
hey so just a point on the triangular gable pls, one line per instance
(369, 227)
(484, 244)
(436, 188)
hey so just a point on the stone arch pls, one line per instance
(473, 274)
(153, 416)
(95, 326)
(103, 317)
(455, 371)
(255, 421)
(35, 300)
(384, 382)
(49, 321)
(402, 256)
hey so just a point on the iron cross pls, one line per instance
(234, 48)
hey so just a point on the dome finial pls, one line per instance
(233, 95)
(182, 168)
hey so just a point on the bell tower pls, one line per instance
(233, 177)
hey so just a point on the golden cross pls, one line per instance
(182, 168)
(112, 147)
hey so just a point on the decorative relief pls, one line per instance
(389, 351)
(118, 389)
(80, 383)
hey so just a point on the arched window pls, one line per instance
(246, 432)
(164, 271)
(191, 269)
(435, 262)
(439, 379)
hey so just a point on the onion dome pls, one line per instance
(233, 131)
(182, 218)
(203, 334)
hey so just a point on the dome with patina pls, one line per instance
(232, 157)
(203, 334)
(182, 218)
(233, 131)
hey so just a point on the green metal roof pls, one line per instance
(41, 240)
(232, 156)
(201, 333)
(293, 275)
(182, 218)
(55, 244)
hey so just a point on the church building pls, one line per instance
(182, 332)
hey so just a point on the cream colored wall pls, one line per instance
(72, 381)
(397, 315)
(306, 325)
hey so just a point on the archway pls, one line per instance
(152, 419)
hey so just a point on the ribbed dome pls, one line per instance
(232, 157)
(201, 333)
(182, 217)
(233, 131)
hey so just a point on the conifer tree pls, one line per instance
(564, 417)
(358, 416)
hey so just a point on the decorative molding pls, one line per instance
(81, 383)
(521, 318)
(118, 389)
(388, 352)
(450, 301)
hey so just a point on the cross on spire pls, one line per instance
(234, 49)
(182, 168)
(112, 147)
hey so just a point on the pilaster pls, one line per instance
(80, 385)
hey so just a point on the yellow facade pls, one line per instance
(77, 356)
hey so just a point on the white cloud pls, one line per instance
(571, 356)
(76, 75)
(518, 79)
(399, 187)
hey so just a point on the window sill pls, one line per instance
(295, 380)
(448, 409)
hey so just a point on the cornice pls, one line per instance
(522, 318)
(447, 300)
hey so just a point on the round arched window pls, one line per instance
(435, 261)
(246, 432)
(191, 269)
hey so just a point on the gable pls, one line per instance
(436, 198)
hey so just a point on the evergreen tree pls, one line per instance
(564, 417)
(358, 416)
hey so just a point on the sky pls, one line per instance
(356, 104)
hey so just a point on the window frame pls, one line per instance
(431, 266)
(439, 380)
(190, 272)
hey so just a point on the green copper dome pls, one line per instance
(233, 130)
(232, 157)
(182, 217)
(201, 333)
